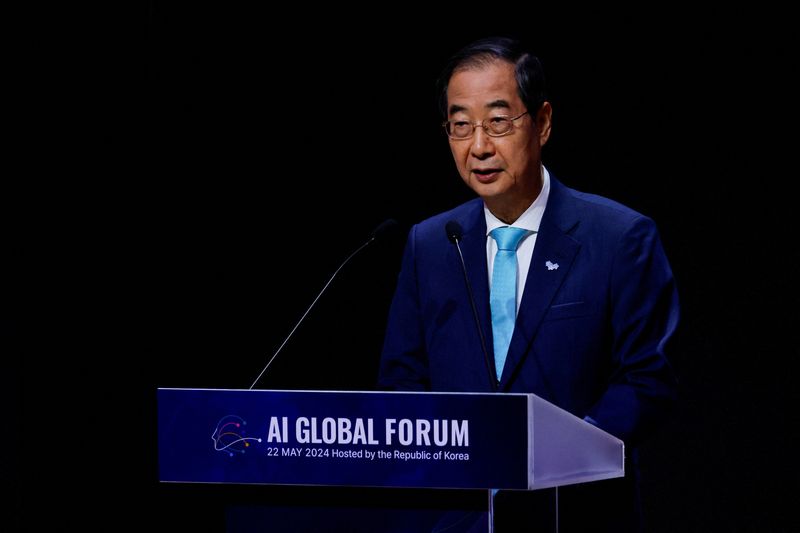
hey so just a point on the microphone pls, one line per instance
(383, 229)
(454, 234)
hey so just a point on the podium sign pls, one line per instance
(378, 439)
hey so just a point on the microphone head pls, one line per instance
(454, 231)
(384, 228)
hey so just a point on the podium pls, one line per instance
(409, 440)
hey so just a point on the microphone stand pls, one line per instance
(381, 230)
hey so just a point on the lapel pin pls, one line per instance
(551, 266)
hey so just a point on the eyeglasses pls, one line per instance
(493, 126)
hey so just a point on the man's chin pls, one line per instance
(489, 191)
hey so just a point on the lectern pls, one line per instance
(378, 439)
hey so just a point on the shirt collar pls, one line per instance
(531, 218)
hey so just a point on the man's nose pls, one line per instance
(482, 145)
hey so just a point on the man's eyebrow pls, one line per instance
(455, 109)
(498, 103)
(494, 104)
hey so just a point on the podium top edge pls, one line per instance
(351, 391)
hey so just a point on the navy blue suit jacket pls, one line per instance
(591, 335)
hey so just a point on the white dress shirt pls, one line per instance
(528, 220)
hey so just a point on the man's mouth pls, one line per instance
(485, 175)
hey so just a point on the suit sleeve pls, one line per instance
(404, 362)
(644, 317)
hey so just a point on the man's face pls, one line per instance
(496, 168)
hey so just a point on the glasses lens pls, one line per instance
(459, 129)
(499, 125)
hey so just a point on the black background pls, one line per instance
(190, 175)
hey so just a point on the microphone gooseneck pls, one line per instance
(454, 234)
(382, 230)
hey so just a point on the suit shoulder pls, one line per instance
(608, 213)
(433, 227)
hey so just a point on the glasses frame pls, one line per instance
(484, 126)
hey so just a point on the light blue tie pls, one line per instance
(503, 298)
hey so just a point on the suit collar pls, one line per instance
(561, 210)
(554, 246)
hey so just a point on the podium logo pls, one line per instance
(230, 435)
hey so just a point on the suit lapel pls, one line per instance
(555, 246)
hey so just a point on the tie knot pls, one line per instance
(508, 238)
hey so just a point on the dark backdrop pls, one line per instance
(192, 174)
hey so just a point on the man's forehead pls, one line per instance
(495, 76)
(482, 88)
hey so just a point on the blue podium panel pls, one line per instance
(372, 439)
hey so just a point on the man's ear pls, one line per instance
(544, 121)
